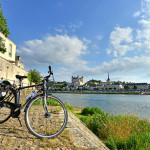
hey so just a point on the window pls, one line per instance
(10, 50)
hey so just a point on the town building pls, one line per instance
(10, 64)
(77, 81)
(110, 85)
(137, 86)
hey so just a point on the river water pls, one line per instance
(114, 104)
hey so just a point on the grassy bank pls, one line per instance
(121, 132)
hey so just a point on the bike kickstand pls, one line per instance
(19, 121)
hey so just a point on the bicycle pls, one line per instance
(45, 115)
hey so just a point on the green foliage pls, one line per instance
(2, 46)
(3, 24)
(91, 111)
(135, 87)
(121, 132)
(69, 107)
(93, 82)
(84, 88)
(79, 89)
(58, 85)
(126, 87)
(50, 101)
(34, 76)
(96, 89)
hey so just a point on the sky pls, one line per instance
(82, 37)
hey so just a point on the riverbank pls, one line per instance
(117, 132)
(97, 92)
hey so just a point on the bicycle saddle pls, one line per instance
(20, 77)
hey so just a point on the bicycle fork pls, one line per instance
(47, 114)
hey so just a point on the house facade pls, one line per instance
(10, 64)
(10, 54)
(138, 86)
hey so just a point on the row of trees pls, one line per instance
(3, 23)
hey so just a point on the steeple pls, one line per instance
(108, 77)
(108, 80)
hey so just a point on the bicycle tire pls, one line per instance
(42, 126)
(5, 111)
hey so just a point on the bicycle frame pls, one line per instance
(17, 94)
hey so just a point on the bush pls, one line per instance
(91, 111)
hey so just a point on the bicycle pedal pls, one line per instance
(19, 121)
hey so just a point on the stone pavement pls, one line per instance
(82, 136)
(75, 137)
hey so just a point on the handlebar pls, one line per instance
(50, 73)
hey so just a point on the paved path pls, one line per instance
(82, 136)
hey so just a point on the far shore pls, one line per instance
(100, 92)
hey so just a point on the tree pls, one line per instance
(3, 23)
(34, 76)
(126, 87)
(135, 87)
(2, 46)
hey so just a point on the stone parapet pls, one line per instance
(8, 71)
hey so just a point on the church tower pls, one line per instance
(108, 80)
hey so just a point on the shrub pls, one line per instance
(91, 111)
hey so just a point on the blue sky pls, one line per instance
(83, 37)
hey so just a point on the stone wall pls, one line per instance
(8, 71)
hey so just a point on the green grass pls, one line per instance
(69, 107)
(121, 132)
(49, 101)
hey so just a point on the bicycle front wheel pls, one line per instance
(42, 125)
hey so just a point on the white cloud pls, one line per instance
(120, 39)
(126, 64)
(108, 51)
(99, 37)
(145, 23)
(75, 26)
(136, 14)
(58, 30)
(95, 47)
(145, 8)
(120, 35)
(59, 49)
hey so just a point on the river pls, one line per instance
(114, 104)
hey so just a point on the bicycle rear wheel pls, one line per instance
(41, 125)
(5, 111)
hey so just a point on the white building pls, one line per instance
(10, 64)
(110, 85)
(138, 86)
